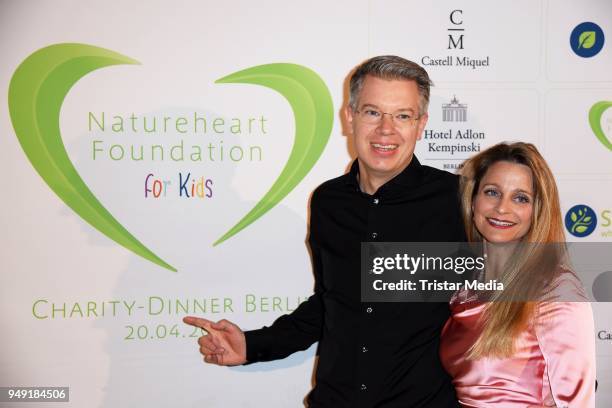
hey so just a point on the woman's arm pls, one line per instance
(566, 335)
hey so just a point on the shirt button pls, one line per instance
(374, 235)
(376, 201)
(363, 387)
(369, 310)
(364, 349)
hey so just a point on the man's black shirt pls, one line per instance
(370, 354)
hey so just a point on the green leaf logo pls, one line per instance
(587, 39)
(595, 114)
(581, 222)
(36, 93)
(313, 110)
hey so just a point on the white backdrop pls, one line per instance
(58, 274)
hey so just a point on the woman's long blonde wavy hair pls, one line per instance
(527, 274)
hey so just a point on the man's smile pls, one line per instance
(384, 147)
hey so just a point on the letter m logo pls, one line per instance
(452, 43)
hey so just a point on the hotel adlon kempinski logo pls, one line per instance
(452, 140)
(456, 47)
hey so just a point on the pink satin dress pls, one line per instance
(553, 364)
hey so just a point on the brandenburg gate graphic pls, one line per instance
(454, 111)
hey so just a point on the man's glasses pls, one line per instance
(373, 116)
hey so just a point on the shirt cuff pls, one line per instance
(255, 346)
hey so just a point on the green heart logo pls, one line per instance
(595, 114)
(313, 111)
(42, 81)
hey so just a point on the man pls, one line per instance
(370, 355)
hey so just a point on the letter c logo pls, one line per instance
(452, 17)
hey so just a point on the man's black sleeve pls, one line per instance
(301, 328)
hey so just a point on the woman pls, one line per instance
(519, 348)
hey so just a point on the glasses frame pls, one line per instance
(409, 122)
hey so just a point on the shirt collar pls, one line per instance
(408, 178)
